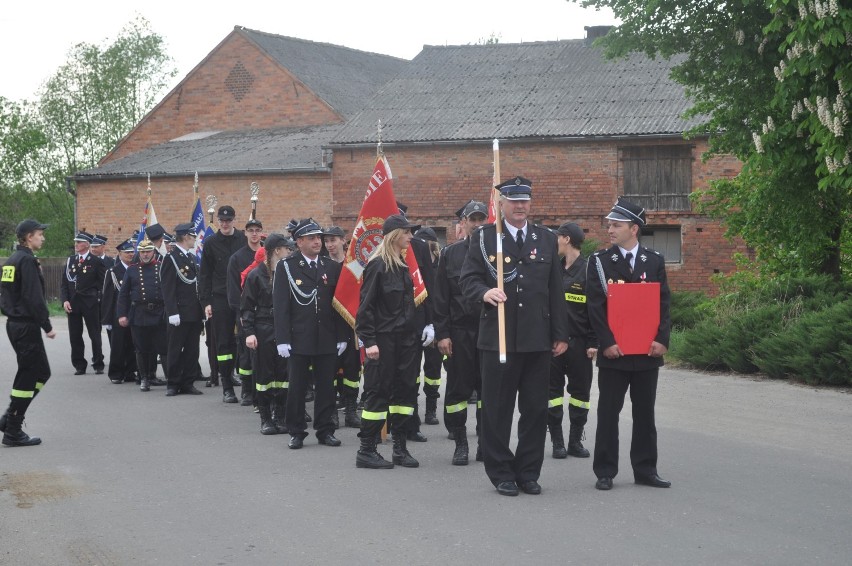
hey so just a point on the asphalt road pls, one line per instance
(760, 470)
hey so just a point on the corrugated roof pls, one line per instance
(341, 76)
(542, 89)
(277, 149)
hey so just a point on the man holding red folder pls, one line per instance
(623, 263)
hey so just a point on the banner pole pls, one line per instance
(498, 223)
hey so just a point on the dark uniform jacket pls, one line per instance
(241, 259)
(82, 281)
(256, 300)
(387, 302)
(109, 261)
(22, 289)
(311, 326)
(649, 266)
(213, 280)
(141, 296)
(178, 277)
(423, 314)
(451, 308)
(535, 309)
(109, 295)
(574, 287)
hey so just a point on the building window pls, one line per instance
(664, 239)
(658, 177)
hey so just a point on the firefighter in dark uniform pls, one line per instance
(79, 291)
(536, 329)
(348, 377)
(576, 362)
(432, 358)
(270, 370)
(626, 261)
(179, 283)
(241, 259)
(387, 325)
(140, 309)
(213, 290)
(308, 331)
(22, 301)
(456, 329)
(98, 249)
(122, 357)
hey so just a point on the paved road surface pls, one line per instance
(760, 469)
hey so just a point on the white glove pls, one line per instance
(174, 320)
(341, 347)
(108, 326)
(284, 350)
(428, 334)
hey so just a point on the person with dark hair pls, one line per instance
(270, 370)
(626, 261)
(79, 291)
(308, 331)
(22, 301)
(122, 357)
(387, 325)
(431, 356)
(576, 362)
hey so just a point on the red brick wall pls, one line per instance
(204, 101)
(575, 181)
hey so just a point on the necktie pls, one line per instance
(629, 258)
(519, 239)
(313, 264)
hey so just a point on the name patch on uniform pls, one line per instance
(8, 274)
(575, 298)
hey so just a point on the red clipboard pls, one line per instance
(633, 314)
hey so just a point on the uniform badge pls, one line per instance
(491, 258)
(614, 258)
(508, 260)
(534, 236)
(643, 257)
(620, 281)
(84, 269)
(298, 281)
(301, 263)
(609, 281)
(325, 278)
(642, 277)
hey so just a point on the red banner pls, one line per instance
(379, 203)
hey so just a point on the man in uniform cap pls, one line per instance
(179, 276)
(22, 301)
(79, 291)
(626, 262)
(431, 356)
(456, 330)
(122, 357)
(98, 249)
(156, 234)
(536, 329)
(213, 291)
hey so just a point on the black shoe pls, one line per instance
(295, 443)
(531, 487)
(117, 381)
(330, 440)
(191, 390)
(507, 488)
(171, 392)
(80, 371)
(246, 401)
(229, 397)
(99, 371)
(430, 418)
(415, 436)
(604, 484)
(156, 381)
(653, 480)
(143, 386)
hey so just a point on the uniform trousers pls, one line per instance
(223, 322)
(390, 390)
(244, 355)
(463, 377)
(122, 356)
(270, 370)
(349, 370)
(182, 356)
(612, 386)
(33, 367)
(148, 342)
(578, 368)
(525, 375)
(432, 359)
(300, 369)
(82, 311)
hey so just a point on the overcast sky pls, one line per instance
(36, 39)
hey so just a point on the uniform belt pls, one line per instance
(147, 306)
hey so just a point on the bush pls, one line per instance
(688, 308)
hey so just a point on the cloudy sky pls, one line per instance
(41, 36)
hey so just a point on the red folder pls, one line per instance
(633, 314)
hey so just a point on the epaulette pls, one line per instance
(652, 251)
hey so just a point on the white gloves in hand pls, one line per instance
(428, 334)
(341, 347)
(108, 326)
(284, 350)
(174, 320)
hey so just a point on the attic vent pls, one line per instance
(239, 81)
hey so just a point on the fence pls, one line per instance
(54, 270)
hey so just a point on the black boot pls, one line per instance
(14, 436)
(142, 368)
(247, 391)
(401, 456)
(369, 457)
(278, 408)
(266, 425)
(460, 456)
(431, 417)
(350, 413)
(558, 440)
(575, 446)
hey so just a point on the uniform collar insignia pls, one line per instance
(614, 258)
(534, 236)
(301, 263)
(643, 257)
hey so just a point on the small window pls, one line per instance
(657, 177)
(664, 239)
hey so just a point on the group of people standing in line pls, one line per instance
(265, 304)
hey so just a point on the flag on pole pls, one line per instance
(379, 203)
(200, 228)
(149, 218)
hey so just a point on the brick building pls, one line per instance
(300, 119)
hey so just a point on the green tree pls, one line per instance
(771, 81)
